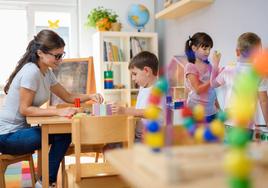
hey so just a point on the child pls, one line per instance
(197, 74)
(247, 45)
(144, 69)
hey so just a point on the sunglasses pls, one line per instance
(57, 56)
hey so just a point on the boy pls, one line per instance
(143, 68)
(247, 45)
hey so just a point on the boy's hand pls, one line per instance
(216, 57)
(118, 109)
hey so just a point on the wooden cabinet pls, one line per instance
(181, 8)
(112, 52)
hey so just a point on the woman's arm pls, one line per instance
(62, 93)
(27, 109)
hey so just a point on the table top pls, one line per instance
(48, 120)
(127, 163)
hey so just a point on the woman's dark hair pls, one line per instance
(199, 39)
(143, 59)
(45, 40)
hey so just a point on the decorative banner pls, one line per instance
(53, 25)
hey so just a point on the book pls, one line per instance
(115, 53)
(105, 55)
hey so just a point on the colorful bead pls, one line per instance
(152, 112)
(199, 112)
(154, 140)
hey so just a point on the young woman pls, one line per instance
(27, 88)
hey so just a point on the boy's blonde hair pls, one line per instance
(247, 42)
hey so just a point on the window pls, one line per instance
(13, 37)
(64, 25)
(19, 23)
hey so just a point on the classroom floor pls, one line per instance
(18, 175)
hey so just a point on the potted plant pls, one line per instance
(101, 18)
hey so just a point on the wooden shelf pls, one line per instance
(178, 87)
(134, 89)
(114, 90)
(121, 73)
(182, 8)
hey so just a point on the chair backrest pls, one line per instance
(101, 130)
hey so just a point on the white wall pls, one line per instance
(224, 20)
(66, 2)
(120, 7)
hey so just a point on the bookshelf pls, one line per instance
(182, 8)
(112, 51)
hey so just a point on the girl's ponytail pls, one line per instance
(188, 50)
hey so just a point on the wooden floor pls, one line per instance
(98, 182)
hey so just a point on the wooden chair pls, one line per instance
(6, 160)
(99, 130)
(97, 149)
(85, 148)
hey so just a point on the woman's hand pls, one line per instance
(96, 98)
(67, 112)
(118, 109)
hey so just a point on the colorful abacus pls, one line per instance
(194, 121)
(238, 164)
(154, 138)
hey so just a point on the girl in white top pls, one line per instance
(247, 45)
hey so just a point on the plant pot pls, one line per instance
(103, 24)
(116, 26)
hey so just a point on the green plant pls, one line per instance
(99, 13)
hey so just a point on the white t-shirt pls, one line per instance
(31, 78)
(142, 102)
(227, 78)
(143, 97)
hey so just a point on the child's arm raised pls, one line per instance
(215, 69)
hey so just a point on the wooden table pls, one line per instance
(125, 162)
(49, 125)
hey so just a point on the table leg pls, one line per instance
(45, 146)
(39, 163)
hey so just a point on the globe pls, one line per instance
(138, 16)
